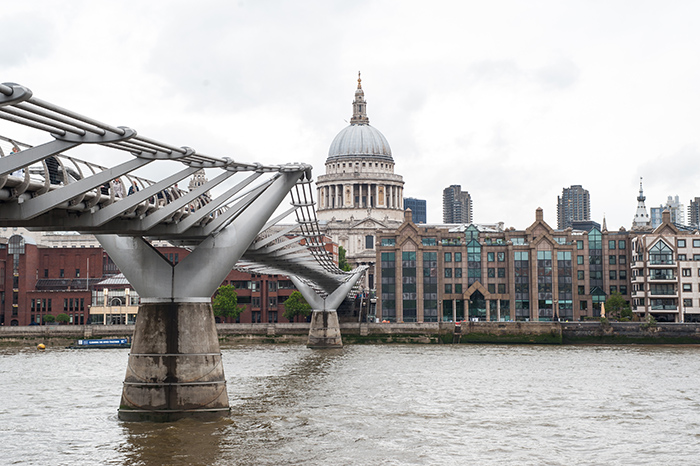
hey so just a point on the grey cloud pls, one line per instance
(25, 39)
(561, 74)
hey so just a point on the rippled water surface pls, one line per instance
(370, 405)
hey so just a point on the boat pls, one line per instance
(102, 343)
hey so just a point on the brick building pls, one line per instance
(483, 272)
(36, 281)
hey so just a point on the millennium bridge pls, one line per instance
(175, 368)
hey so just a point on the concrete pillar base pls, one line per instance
(324, 331)
(175, 368)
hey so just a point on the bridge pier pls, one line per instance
(324, 331)
(175, 368)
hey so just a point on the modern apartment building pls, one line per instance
(456, 205)
(574, 205)
(666, 273)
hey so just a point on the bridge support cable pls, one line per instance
(324, 331)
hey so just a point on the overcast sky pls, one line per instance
(513, 100)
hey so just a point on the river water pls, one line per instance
(370, 405)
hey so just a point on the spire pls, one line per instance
(605, 225)
(641, 218)
(359, 106)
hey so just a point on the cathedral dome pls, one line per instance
(359, 139)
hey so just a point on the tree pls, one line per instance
(342, 260)
(49, 319)
(296, 305)
(225, 302)
(617, 308)
(62, 318)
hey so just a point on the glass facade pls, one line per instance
(430, 287)
(408, 286)
(388, 292)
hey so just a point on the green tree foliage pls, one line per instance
(225, 302)
(342, 260)
(296, 305)
(62, 318)
(48, 319)
(617, 308)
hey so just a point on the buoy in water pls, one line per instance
(41, 347)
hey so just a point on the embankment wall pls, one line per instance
(355, 333)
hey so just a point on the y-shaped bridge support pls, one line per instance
(325, 328)
(175, 367)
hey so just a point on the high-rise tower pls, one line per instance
(574, 205)
(456, 205)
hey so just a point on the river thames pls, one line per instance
(370, 405)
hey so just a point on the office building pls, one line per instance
(483, 272)
(418, 207)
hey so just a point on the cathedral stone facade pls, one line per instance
(359, 193)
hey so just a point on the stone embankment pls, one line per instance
(355, 333)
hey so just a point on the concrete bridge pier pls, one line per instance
(324, 331)
(175, 367)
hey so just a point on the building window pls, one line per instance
(613, 274)
(458, 288)
(696, 257)
(392, 242)
(687, 303)
(687, 287)
(272, 302)
(611, 244)
(501, 272)
(448, 288)
(613, 289)
(579, 260)
(490, 256)
(583, 305)
(369, 242)
(580, 275)
(501, 257)
(622, 260)
(696, 243)
(492, 288)
(623, 274)
(448, 257)
(682, 257)
(458, 272)
(621, 244)
(579, 244)
(686, 272)
(46, 273)
(501, 288)
(623, 289)
(612, 260)
(458, 257)
(62, 273)
(681, 243)
(491, 272)
(581, 290)
(448, 273)
(77, 273)
(424, 242)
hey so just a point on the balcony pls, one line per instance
(663, 277)
(661, 263)
(664, 308)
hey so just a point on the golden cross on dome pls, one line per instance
(359, 81)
